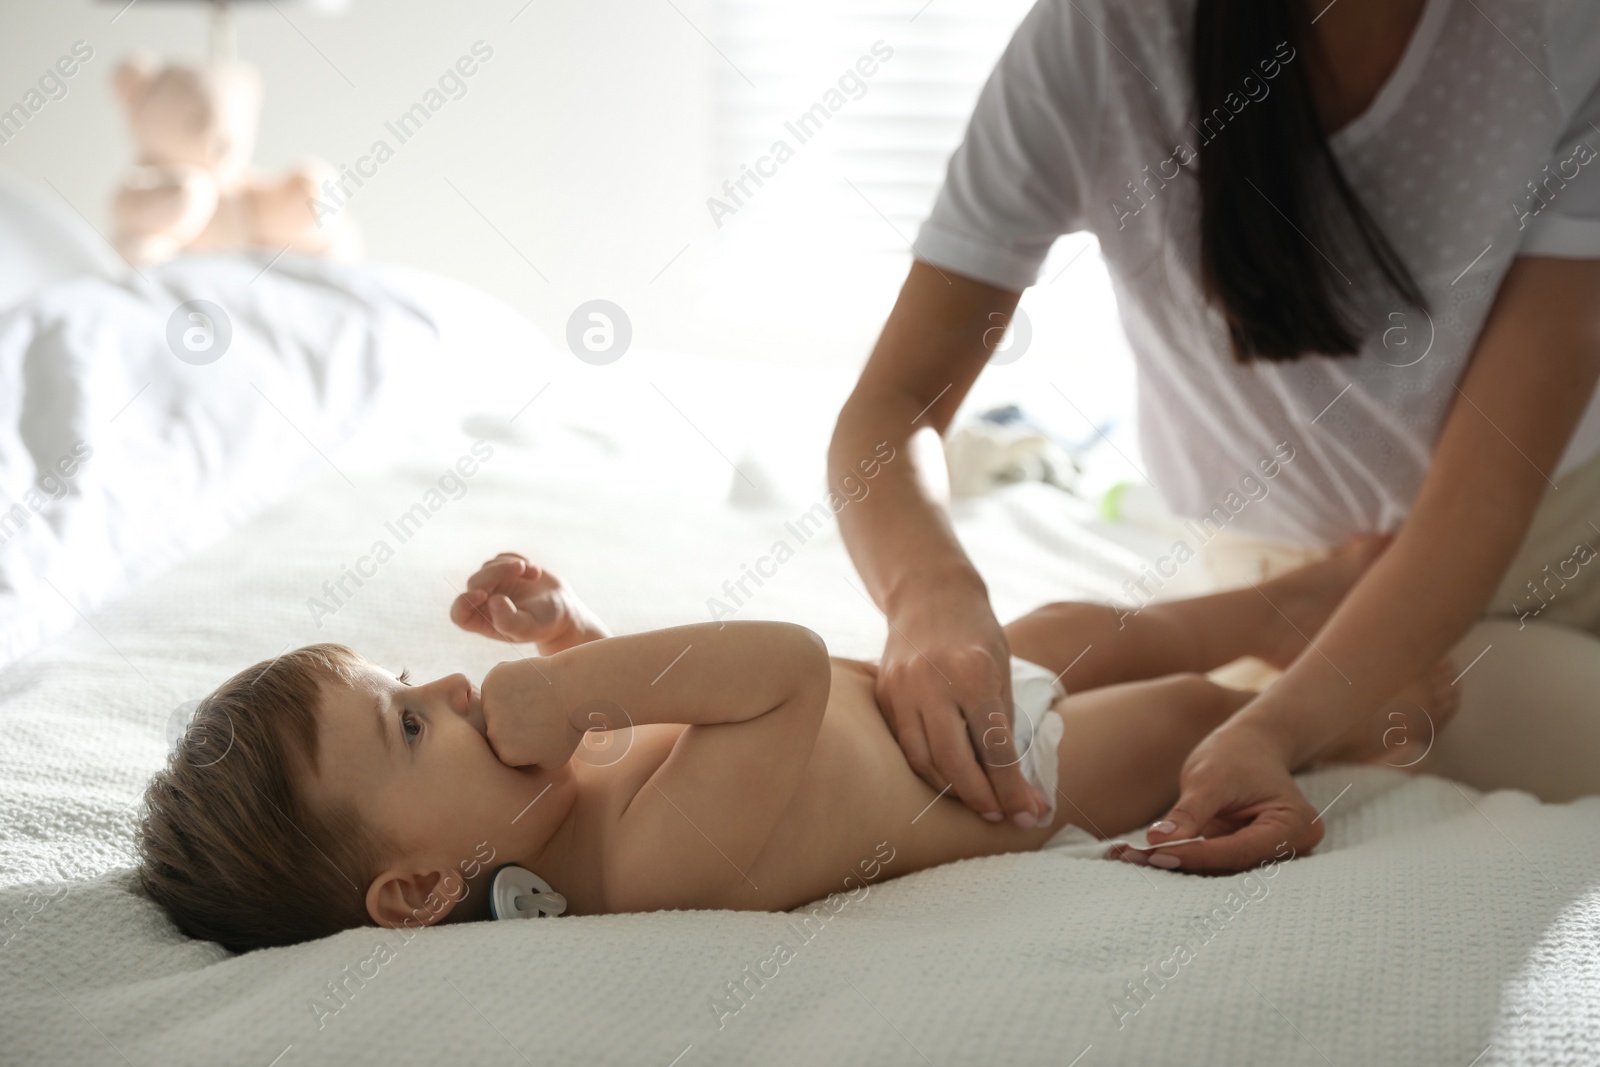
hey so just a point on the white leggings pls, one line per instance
(1530, 710)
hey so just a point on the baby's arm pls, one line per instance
(753, 694)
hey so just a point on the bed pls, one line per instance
(1438, 923)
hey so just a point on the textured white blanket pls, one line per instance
(1434, 925)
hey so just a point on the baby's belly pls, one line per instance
(861, 814)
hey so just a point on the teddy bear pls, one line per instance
(192, 188)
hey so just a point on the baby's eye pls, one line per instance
(407, 722)
(404, 677)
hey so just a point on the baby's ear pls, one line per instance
(407, 897)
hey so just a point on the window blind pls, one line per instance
(869, 149)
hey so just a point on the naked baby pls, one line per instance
(716, 765)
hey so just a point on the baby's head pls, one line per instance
(316, 792)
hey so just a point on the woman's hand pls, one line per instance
(1235, 790)
(524, 716)
(945, 680)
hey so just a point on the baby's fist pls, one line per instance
(523, 717)
(512, 599)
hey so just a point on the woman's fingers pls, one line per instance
(1273, 835)
(1237, 793)
(944, 686)
(995, 742)
(928, 735)
(1196, 808)
(956, 762)
(1017, 795)
(907, 730)
(938, 742)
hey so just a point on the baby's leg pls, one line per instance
(1122, 746)
(1092, 645)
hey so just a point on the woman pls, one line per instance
(1361, 235)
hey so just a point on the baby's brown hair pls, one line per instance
(228, 844)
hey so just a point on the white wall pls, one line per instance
(586, 140)
(581, 139)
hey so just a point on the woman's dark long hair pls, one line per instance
(1267, 219)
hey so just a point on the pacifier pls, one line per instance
(518, 893)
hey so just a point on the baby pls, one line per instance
(715, 765)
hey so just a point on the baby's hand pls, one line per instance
(523, 718)
(511, 599)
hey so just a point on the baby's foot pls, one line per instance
(1308, 595)
(1401, 733)
(513, 599)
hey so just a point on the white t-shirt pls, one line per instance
(1085, 124)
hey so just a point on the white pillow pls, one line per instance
(119, 457)
(42, 240)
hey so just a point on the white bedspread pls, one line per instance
(1434, 922)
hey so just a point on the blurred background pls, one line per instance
(578, 161)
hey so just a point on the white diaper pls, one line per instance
(1036, 729)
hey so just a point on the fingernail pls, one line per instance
(1161, 859)
(1165, 826)
(993, 816)
(1025, 820)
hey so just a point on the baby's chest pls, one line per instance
(636, 755)
(856, 789)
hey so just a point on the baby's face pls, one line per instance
(414, 764)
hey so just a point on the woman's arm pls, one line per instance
(946, 663)
(1530, 378)
(931, 351)
(1529, 381)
